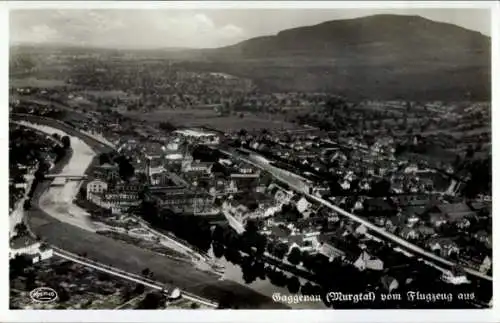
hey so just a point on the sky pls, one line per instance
(208, 28)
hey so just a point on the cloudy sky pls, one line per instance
(133, 28)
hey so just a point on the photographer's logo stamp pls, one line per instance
(43, 295)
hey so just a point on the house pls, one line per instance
(332, 246)
(455, 277)
(281, 195)
(463, 224)
(280, 232)
(161, 179)
(437, 219)
(223, 187)
(181, 199)
(23, 186)
(107, 171)
(443, 246)
(44, 252)
(116, 202)
(330, 251)
(366, 261)
(416, 203)
(380, 221)
(361, 230)
(486, 265)
(303, 205)
(480, 205)
(411, 169)
(409, 233)
(96, 186)
(23, 245)
(484, 237)
(304, 243)
(196, 166)
(412, 220)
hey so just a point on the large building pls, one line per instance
(198, 136)
(182, 199)
(96, 187)
(107, 171)
(35, 250)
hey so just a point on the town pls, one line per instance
(171, 187)
(199, 185)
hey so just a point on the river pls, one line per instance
(234, 273)
(58, 200)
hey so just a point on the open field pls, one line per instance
(106, 94)
(35, 82)
(209, 118)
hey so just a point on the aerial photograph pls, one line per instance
(250, 159)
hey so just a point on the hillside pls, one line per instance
(381, 56)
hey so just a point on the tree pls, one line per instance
(381, 188)
(104, 158)
(146, 272)
(27, 205)
(218, 234)
(242, 133)
(30, 282)
(470, 152)
(21, 229)
(17, 265)
(266, 179)
(226, 301)
(277, 278)
(335, 188)
(270, 247)
(125, 168)
(66, 142)
(63, 294)
(251, 226)
(126, 293)
(293, 285)
(295, 256)
(307, 289)
(249, 275)
(167, 126)
(139, 289)
(152, 301)
(232, 255)
(280, 250)
(218, 249)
